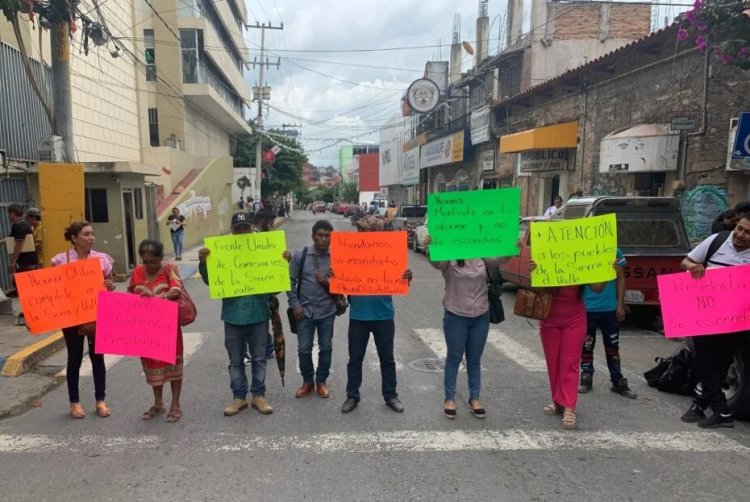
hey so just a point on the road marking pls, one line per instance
(435, 341)
(191, 342)
(397, 441)
(516, 352)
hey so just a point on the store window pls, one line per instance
(440, 183)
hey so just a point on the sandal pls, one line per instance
(76, 411)
(174, 416)
(553, 409)
(152, 412)
(477, 412)
(102, 409)
(569, 420)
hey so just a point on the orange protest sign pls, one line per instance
(59, 297)
(369, 263)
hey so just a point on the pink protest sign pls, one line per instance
(132, 325)
(715, 304)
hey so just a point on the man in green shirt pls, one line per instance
(245, 325)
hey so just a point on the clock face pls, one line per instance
(423, 95)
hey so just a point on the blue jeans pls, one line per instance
(236, 339)
(306, 334)
(177, 238)
(607, 322)
(464, 335)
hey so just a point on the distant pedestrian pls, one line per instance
(726, 221)
(605, 311)
(245, 323)
(20, 260)
(34, 217)
(555, 207)
(241, 204)
(314, 308)
(714, 354)
(255, 204)
(372, 314)
(81, 235)
(562, 334)
(176, 223)
(154, 278)
(466, 324)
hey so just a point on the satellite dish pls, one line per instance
(468, 48)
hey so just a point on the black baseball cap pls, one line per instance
(241, 219)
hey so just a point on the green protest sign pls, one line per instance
(475, 224)
(247, 264)
(570, 252)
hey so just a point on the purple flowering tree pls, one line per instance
(721, 27)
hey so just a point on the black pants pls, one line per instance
(359, 335)
(74, 343)
(713, 356)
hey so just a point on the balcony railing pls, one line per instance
(198, 72)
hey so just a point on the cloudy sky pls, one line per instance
(338, 92)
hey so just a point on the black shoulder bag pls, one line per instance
(290, 310)
(494, 291)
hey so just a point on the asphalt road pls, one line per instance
(308, 450)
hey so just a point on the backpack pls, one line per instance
(675, 374)
(716, 243)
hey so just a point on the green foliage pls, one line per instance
(326, 194)
(284, 175)
(243, 183)
(348, 191)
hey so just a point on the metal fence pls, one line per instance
(12, 191)
(23, 123)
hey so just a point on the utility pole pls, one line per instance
(61, 95)
(261, 93)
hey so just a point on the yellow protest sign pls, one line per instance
(570, 252)
(247, 264)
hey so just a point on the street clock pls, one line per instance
(423, 95)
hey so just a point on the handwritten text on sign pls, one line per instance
(247, 264)
(476, 224)
(570, 252)
(369, 263)
(60, 297)
(717, 303)
(132, 325)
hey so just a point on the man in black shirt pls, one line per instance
(19, 229)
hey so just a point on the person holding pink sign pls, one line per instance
(81, 235)
(153, 278)
(713, 354)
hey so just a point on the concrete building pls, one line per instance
(157, 109)
(399, 170)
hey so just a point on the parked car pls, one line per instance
(329, 206)
(408, 217)
(650, 232)
(319, 207)
(351, 210)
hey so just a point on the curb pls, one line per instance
(23, 360)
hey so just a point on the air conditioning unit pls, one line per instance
(735, 164)
(52, 150)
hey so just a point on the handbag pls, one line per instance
(494, 291)
(533, 304)
(290, 310)
(339, 300)
(186, 310)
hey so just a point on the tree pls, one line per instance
(348, 191)
(284, 175)
(243, 183)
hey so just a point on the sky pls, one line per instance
(340, 96)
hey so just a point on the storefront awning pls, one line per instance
(541, 138)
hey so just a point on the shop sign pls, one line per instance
(480, 125)
(445, 150)
(487, 160)
(411, 167)
(543, 160)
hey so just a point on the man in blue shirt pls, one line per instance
(245, 324)
(605, 311)
(372, 314)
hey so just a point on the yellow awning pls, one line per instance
(542, 138)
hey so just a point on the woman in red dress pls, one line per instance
(154, 278)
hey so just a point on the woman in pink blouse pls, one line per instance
(81, 235)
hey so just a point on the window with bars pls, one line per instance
(153, 126)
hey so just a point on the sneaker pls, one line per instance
(622, 388)
(260, 404)
(694, 414)
(716, 420)
(587, 381)
(236, 406)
